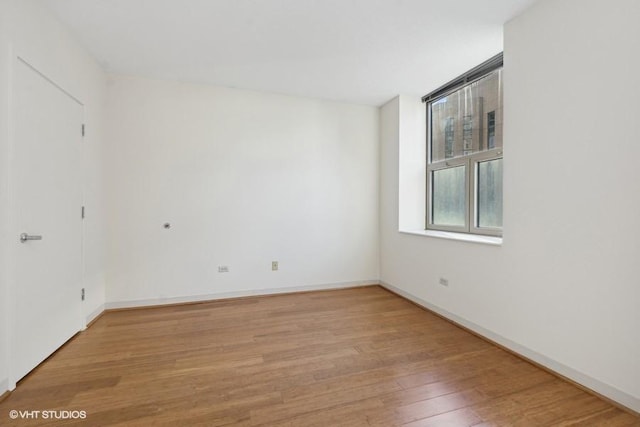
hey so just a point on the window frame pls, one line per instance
(471, 162)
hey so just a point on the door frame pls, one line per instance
(15, 59)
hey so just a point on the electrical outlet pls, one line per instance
(444, 282)
(274, 265)
(223, 269)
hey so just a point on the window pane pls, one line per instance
(490, 91)
(468, 120)
(491, 129)
(449, 196)
(490, 193)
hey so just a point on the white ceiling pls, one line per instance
(361, 51)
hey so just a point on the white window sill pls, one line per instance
(472, 238)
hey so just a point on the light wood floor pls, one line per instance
(355, 357)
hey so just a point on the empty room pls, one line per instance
(319, 213)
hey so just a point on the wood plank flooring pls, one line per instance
(354, 357)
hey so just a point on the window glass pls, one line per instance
(449, 196)
(468, 120)
(490, 193)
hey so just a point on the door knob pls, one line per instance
(24, 237)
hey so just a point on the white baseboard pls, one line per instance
(224, 295)
(587, 381)
(94, 314)
(4, 386)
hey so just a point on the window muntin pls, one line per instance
(464, 172)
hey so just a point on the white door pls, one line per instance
(47, 275)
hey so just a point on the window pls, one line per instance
(465, 154)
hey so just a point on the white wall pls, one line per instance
(244, 178)
(564, 288)
(29, 31)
